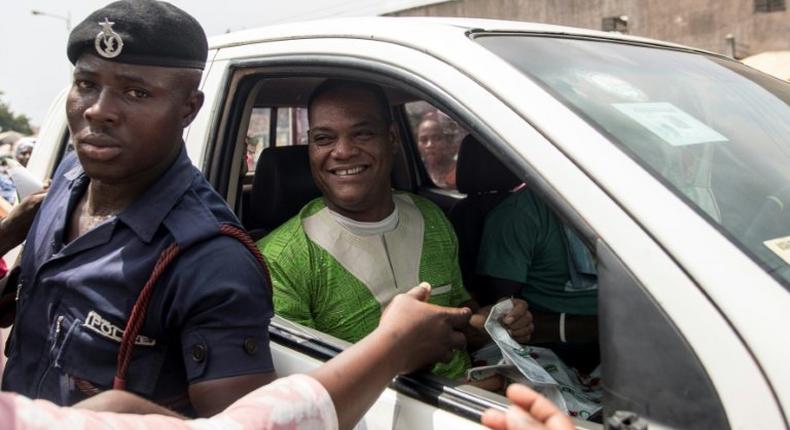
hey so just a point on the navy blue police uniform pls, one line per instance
(209, 312)
(208, 316)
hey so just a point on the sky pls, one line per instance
(33, 63)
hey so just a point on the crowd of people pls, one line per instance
(14, 150)
(113, 325)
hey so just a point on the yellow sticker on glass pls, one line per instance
(780, 247)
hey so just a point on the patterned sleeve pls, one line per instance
(288, 258)
(297, 401)
(460, 294)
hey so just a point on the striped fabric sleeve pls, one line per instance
(293, 402)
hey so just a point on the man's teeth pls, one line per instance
(349, 172)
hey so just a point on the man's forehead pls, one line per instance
(356, 106)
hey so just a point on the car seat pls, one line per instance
(486, 182)
(282, 185)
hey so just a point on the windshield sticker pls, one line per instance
(670, 123)
(614, 86)
(780, 247)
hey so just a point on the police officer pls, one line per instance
(128, 194)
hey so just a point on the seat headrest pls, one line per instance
(282, 185)
(479, 171)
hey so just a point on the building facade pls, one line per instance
(740, 28)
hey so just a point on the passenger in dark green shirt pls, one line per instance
(525, 253)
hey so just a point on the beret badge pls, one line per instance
(108, 43)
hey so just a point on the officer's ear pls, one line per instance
(192, 105)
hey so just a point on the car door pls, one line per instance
(658, 324)
(686, 226)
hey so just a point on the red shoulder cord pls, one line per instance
(140, 308)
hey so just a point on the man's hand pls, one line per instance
(518, 321)
(14, 227)
(529, 411)
(412, 334)
(423, 333)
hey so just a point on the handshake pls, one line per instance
(432, 333)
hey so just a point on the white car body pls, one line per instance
(731, 313)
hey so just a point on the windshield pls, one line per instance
(715, 131)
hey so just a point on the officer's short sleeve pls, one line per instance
(223, 306)
(508, 244)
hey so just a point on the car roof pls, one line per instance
(419, 28)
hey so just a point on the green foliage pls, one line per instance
(9, 121)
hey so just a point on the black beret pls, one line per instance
(145, 32)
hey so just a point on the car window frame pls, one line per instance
(429, 388)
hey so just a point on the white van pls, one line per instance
(671, 164)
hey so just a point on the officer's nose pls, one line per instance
(104, 108)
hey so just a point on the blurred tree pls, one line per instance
(9, 121)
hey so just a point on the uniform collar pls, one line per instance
(146, 214)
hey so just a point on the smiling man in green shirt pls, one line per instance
(337, 264)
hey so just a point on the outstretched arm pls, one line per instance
(411, 335)
(351, 381)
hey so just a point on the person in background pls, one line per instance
(250, 152)
(24, 147)
(438, 140)
(7, 186)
